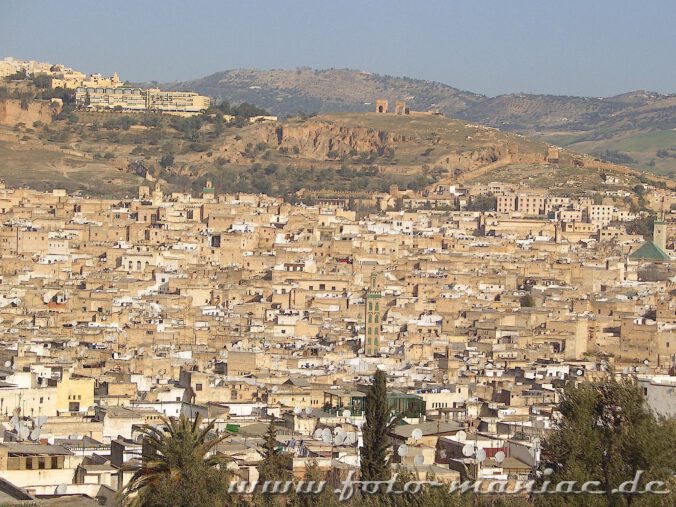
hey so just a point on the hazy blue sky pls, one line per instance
(570, 47)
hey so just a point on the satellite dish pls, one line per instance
(61, 489)
(442, 453)
(339, 440)
(417, 434)
(8, 364)
(326, 435)
(481, 455)
(499, 457)
(350, 439)
(340, 431)
(402, 450)
(35, 434)
(308, 411)
(579, 372)
(297, 410)
(74, 436)
(419, 459)
(24, 433)
(461, 436)
(327, 438)
(468, 450)
(317, 434)
(14, 422)
(346, 413)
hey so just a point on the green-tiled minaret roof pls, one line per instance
(650, 251)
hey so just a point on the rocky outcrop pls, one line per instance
(11, 112)
(318, 139)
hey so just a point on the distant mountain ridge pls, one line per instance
(286, 92)
(593, 125)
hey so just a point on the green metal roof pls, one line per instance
(650, 251)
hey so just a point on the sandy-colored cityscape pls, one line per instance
(250, 312)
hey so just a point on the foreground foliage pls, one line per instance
(608, 434)
(178, 467)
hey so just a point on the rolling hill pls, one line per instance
(632, 128)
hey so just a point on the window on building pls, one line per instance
(198, 387)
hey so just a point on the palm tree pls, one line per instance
(178, 466)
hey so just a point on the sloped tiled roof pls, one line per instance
(650, 251)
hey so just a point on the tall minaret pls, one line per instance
(660, 230)
(372, 319)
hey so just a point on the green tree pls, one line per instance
(42, 81)
(178, 466)
(608, 434)
(166, 161)
(275, 463)
(643, 226)
(316, 490)
(274, 467)
(527, 301)
(483, 203)
(375, 465)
